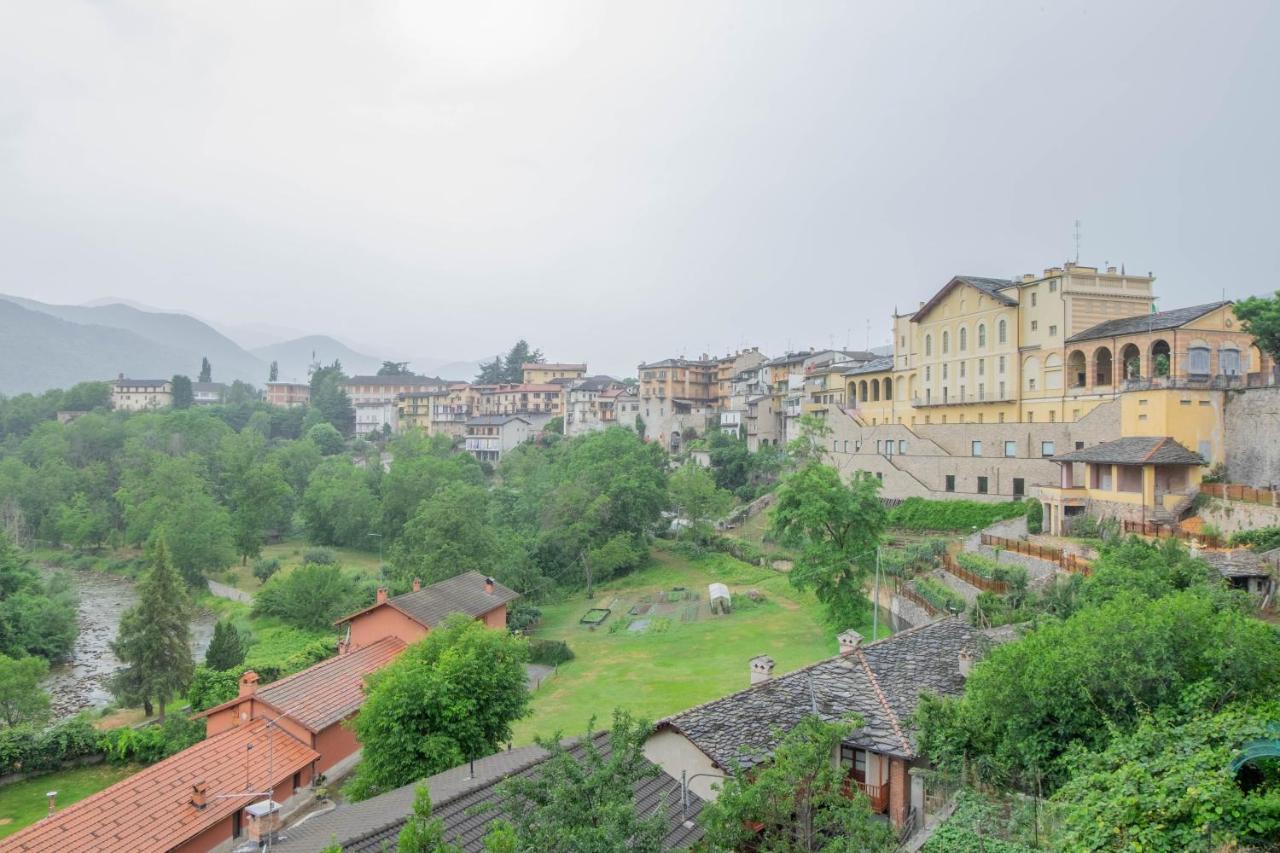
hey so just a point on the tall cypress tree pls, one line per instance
(154, 640)
(206, 370)
(226, 649)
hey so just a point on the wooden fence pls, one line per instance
(904, 589)
(1157, 530)
(988, 584)
(1048, 553)
(1238, 492)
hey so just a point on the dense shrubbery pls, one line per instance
(941, 596)
(922, 514)
(150, 744)
(550, 652)
(913, 559)
(521, 615)
(1035, 516)
(313, 595)
(974, 826)
(1259, 539)
(1014, 576)
(36, 618)
(29, 749)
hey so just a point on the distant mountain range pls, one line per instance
(46, 346)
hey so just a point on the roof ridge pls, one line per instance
(884, 700)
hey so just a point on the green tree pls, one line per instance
(696, 499)
(797, 799)
(338, 507)
(22, 700)
(449, 697)
(227, 648)
(183, 396)
(491, 372)
(811, 445)
(837, 528)
(583, 797)
(35, 618)
(206, 370)
(154, 638)
(330, 400)
(509, 368)
(325, 437)
(312, 596)
(555, 425)
(1260, 317)
(273, 373)
(450, 533)
(87, 396)
(416, 475)
(423, 833)
(395, 368)
(82, 523)
(261, 504)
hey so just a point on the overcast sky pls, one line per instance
(626, 181)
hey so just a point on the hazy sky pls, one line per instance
(619, 182)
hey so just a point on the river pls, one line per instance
(81, 682)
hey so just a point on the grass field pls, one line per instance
(682, 664)
(23, 803)
(289, 553)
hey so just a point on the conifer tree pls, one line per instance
(226, 649)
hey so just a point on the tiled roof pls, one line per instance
(465, 824)
(141, 383)
(330, 691)
(596, 383)
(880, 682)
(403, 379)
(878, 365)
(1135, 450)
(462, 593)
(1240, 563)
(1146, 322)
(152, 810)
(553, 365)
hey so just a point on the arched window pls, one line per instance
(1229, 361)
(964, 339)
(862, 390)
(1031, 373)
(1077, 372)
(1002, 332)
(928, 344)
(1103, 371)
(946, 342)
(888, 388)
(875, 390)
(1198, 358)
(1161, 359)
(982, 335)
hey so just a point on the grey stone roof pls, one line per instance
(1135, 450)
(595, 383)
(990, 286)
(141, 383)
(1240, 563)
(1146, 322)
(880, 682)
(208, 386)
(367, 826)
(493, 420)
(878, 365)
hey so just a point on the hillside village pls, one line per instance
(877, 540)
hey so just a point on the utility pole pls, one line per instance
(875, 603)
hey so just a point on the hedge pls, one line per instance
(1259, 539)
(26, 749)
(912, 559)
(941, 596)
(922, 514)
(550, 652)
(991, 570)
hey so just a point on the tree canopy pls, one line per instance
(509, 368)
(1260, 317)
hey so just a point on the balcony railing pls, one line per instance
(877, 794)
(962, 399)
(1219, 382)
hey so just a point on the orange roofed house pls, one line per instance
(276, 738)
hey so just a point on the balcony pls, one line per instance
(877, 794)
(965, 399)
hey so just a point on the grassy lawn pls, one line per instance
(24, 803)
(681, 664)
(289, 553)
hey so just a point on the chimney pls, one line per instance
(1111, 269)
(488, 586)
(53, 802)
(121, 378)
(249, 683)
(761, 669)
(198, 794)
(382, 595)
(966, 662)
(417, 584)
(849, 640)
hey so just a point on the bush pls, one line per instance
(152, 743)
(29, 749)
(938, 594)
(1014, 576)
(1259, 539)
(914, 559)
(319, 556)
(522, 615)
(922, 514)
(313, 595)
(264, 568)
(550, 652)
(1035, 516)
(210, 687)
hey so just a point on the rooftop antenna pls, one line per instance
(868, 347)
(1077, 241)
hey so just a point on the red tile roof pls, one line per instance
(152, 810)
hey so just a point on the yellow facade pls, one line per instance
(541, 373)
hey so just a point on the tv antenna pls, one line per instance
(1077, 235)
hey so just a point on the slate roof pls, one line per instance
(595, 383)
(152, 810)
(990, 286)
(1135, 450)
(1240, 563)
(554, 365)
(494, 420)
(208, 386)
(402, 379)
(141, 383)
(462, 593)
(878, 365)
(880, 682)
(1146, 322)
(365, 827)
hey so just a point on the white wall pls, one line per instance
(674, 752)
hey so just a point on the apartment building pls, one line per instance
(527, 399)
(542, 373)
(141, 395)
(288, 394)
(376, 399)
(488, 437)
(591, 404)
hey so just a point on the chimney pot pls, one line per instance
(761, 669)
(382, 595)
(488, 585)
(53, 802)
(417, 584)
(249, 683)
(966, 663)
(198, 794)
(849, 640)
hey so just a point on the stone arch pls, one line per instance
(888, 388)
(1031, 373)
(1131, 361)
(875, 390)
(1053, 372)
(1161, 358)
(1103, 366)
(862, 391)
(1077, 370)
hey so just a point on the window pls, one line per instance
(982, 367)
(1019, 487)
(878, 443)
(1001, 394)
(1033, 299)
(982, 335)
(962, 364)
(1198, 360)
(297, 780)
(1046, 448)
(1002, 332)
(1001, 364)
(975, 448)
(928, 344)
(1035, 324)
(1053, 286)
(1229, 361)
(944, 370)
(928, 373)
(946, 342)
(982, 485)
(235, 823)
(1079, 445)
(1010, 449)
(1053, 331)
(964, 339)
(951, 483)
(902, 446)
(1031, 384)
